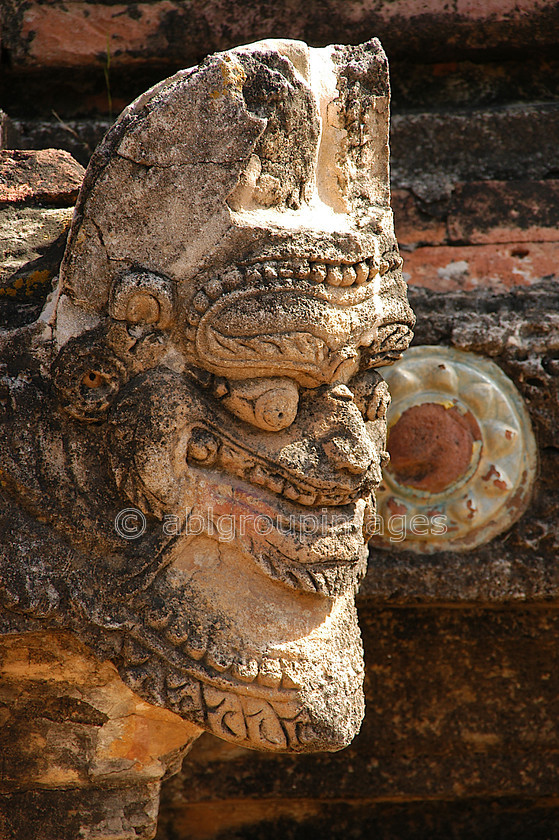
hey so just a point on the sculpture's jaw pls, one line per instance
(251, 661)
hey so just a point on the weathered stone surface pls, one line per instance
(468, 268)
(431, 152)
(70, 726)
(32, 240)
(91, 814)
(514, 211)
(480, 213)
(414, 226)
(492, 80)
(37, 191)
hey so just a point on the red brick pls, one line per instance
(78, 34)
(486, 212)
(500, 266)
(413, 227)
(46, 176)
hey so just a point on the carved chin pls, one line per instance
(234, 652)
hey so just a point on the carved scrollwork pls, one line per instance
(142, 297)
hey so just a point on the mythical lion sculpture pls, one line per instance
(194, 427)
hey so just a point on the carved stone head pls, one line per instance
(195, 425)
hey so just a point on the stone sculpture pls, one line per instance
(193, 428)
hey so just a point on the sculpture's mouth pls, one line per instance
(336, 272)
(329, 274)
(222, 451)
(310, 549)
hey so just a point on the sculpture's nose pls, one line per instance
(350, 451)
(349, 455)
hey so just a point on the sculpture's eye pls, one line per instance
(141, 297)
(87, 377)
(92, 379)
(269, 404)
(276, 409)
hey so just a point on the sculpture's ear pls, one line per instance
(142, 297)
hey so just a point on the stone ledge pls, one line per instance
(480, 213)
(431, 152)
(184, 33)
(45, 176)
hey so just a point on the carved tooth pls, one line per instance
(318, 273)
(253, 274)
(275, 483)
(221, 390)
(176, 680)
(286, 271)
(349, 276)
(158, 621)
(213, 289)
(269, 271)
(196, 645)
(234, 460)
(302, 268)
(290, 492)
(335, 275)
(258, 476)
(330, 499)
(219, 659)
(134, 653)
(136, 677)
(246, 669)
(383, 266)
(290, 678)
(270, 673)
(201, 302)
(233, 278)
(178, 633)
(307, 498)
(361, 273)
